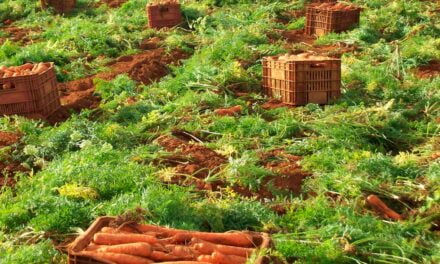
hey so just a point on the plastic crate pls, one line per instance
(321, 21)
(81, 242)
(30, 95)
(302, 82)
(164, 15)
(60, 6)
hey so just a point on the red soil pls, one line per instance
(429, 71)
(298, 36)
(8, 138)
(16, 34)
(146, 67)
(113, 3)
(9, 168)
(288, 173)
(194, 160)
(198, 162)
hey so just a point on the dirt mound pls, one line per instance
(298, 36)
(113, 3)
(190, 159)
(17, 34)
(8, 138)
(287, 179)
(8, 168)
(429, 71)
(146, 67)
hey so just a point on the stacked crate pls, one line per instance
(302, 79)
(331, 17)
(164, 14)
(31, 95)
(60, 6)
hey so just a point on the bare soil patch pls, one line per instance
(190, 159)
(146, 67)
(113, 3)
(17, 34)
(8, 138)
(9, 168)
(430, 70)
(298, 36)
(193, 163)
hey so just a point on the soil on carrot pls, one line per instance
(430, 70)
(113, 3)
(190, 159)
(17, 34)
(146, 67)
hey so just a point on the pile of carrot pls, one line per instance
(23, 70)
(143, 244)
(336, 7)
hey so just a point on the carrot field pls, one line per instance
(172, 127)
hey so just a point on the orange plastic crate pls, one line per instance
(30, 95)
(164, 15)
(301, 82)
(321, 21)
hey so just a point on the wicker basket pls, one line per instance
(84, 240)
(302, 82)
(32, 95)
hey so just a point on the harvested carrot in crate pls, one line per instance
(302, 79)
(323, 18)
(137, 243)
(28, 90)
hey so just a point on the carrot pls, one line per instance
(208, 248)
(232, 239)
(116, 258)
(145, 228)
(220, 258)
(380, 206)
(205, 258)
(135, 249)
(162, 256)
(121, 238)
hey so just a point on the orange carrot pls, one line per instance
(116, 258)
(162, 256)
(135, 249)
(232, 239)
(220, 258)
(205, 247)
(205, 258)
(121, 238)
(380, 206)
